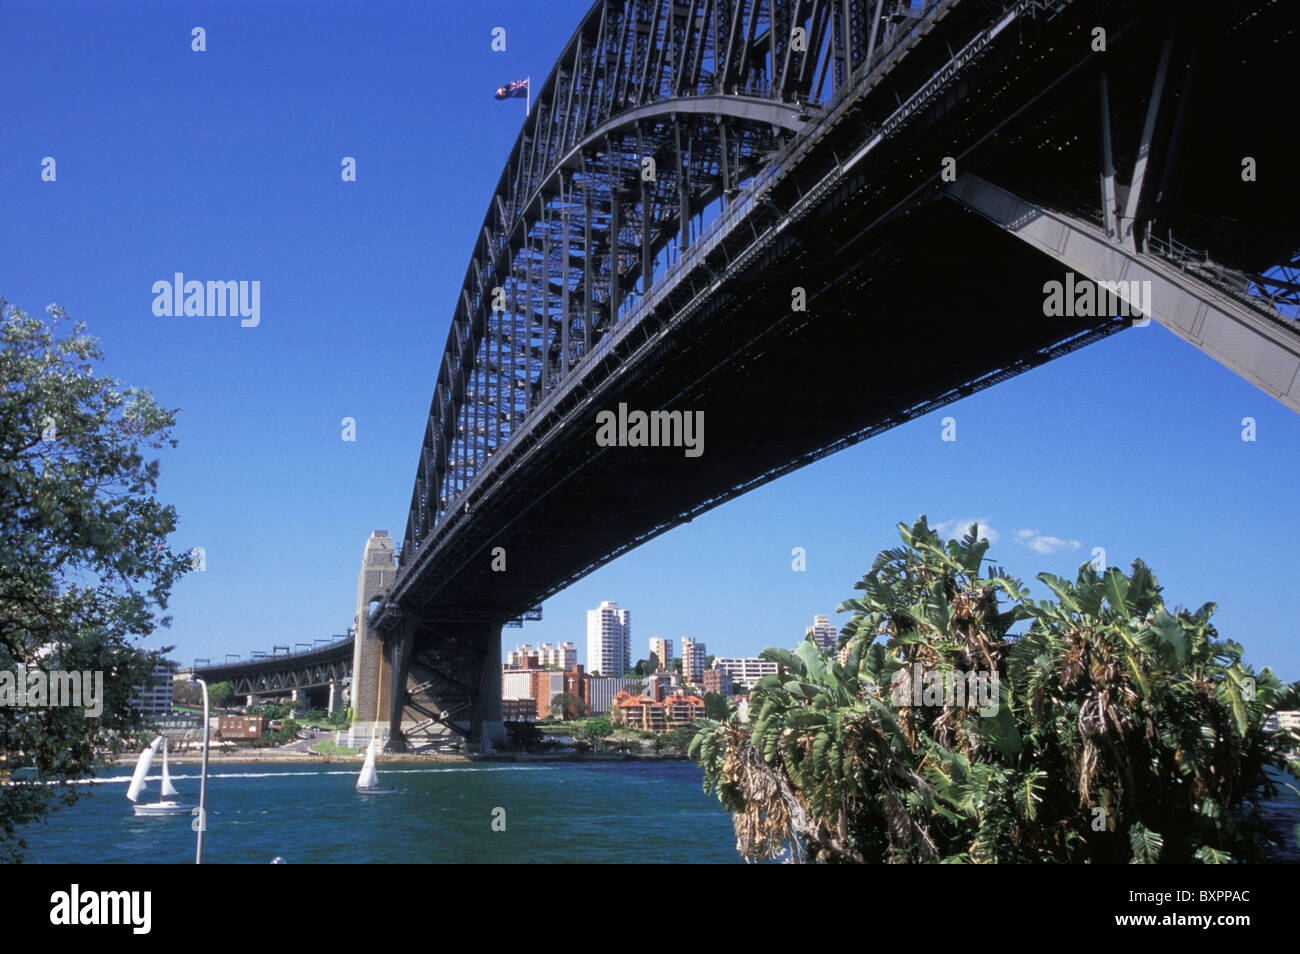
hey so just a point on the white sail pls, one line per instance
(168, 789)
(142, 769)
(369, 777)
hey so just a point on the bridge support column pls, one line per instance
(1133, 201)
(369, 676)
(335, 698)
(1109, 202)
(486, 728)
(399, 666)
(250, 700)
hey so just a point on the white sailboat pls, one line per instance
(368, 781)
(164, 805)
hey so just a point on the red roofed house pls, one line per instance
(640, 712)
(681, 709)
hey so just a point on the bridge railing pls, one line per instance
(1250, 289)
(263, 658)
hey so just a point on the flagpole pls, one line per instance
(528, 96)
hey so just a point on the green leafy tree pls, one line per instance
(598, 728)
(715, 706)
(220, 694)
(186, 693)
(525, 736)
(565, 705)
(679, 739)
(1119, 730)
(84, 563)
(288, 732)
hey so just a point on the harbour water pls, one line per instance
(557, 812)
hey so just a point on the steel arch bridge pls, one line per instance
(320, 667)
(781, 214)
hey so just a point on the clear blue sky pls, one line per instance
(225, 165)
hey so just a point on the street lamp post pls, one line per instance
(203, 777)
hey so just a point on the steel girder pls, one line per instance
(446, 671)
(1263, 348)
(282, 678)
(579, 222)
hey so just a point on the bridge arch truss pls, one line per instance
(654, 118)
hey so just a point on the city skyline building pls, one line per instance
(745, 670)
(717, 680)
(609, 639)
(155, 698)
(823, 632)
(563, 656)
(693, 656)
(661, 653)
(517, 658)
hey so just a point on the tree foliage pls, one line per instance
(84, 566)
(566, 705)
(220, 694)
(679, 738)
(1122, 730)
(715, 706)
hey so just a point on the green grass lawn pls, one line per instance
(329, 747)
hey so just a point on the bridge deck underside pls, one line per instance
(862, 357)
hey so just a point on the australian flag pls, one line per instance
(515, 90)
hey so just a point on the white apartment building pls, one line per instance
(565, 655)
(155, 699)
(518, 656)
(609, 639)
(1286, 720)
(745, 671)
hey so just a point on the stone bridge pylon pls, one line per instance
(371, 671)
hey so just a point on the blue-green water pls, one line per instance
(554, 813)
(596, 812)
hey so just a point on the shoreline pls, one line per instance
(312, 758)
(280, 755)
